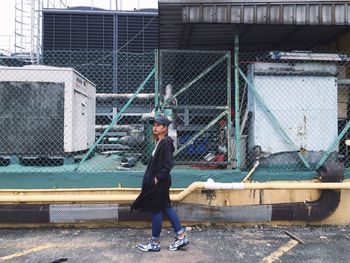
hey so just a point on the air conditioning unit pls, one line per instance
(45, 111)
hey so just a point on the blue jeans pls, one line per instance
(157, 222)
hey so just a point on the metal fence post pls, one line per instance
(229, 116)
(237, 113)
(156, 81)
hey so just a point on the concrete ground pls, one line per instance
(207, 244)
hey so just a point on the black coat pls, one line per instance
(155, 197)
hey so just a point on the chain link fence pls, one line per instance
(293, 109)
(89, 110)
(70, 113)
(196, 95)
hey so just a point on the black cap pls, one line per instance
(161, 120)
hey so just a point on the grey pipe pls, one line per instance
(125, 128)
(106, 96)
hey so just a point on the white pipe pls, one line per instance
(211, 185)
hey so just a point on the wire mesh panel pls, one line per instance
(128, 133)
(292, 108)
(89, 111)
(83, 111)
(96, 65)
(196, 94)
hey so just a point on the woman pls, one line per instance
(154, 196)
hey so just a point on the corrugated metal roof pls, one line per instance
(262, 25)
(293, 12)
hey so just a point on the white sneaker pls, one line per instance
(151, 246)
(179, 243)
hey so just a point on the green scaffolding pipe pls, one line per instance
(116, 118)
(237, 113)
(200, 132)
(156, 82)
(333, 145)
(205, 72)
(229, 117)
(273, 119)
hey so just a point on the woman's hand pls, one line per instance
(155, 180)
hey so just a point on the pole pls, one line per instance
(156, 82)
(229, 116)
(237, 113)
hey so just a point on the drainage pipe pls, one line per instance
(211, 185)
(315, 210)
(115, 195)
(25, 197)
(330, 176)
